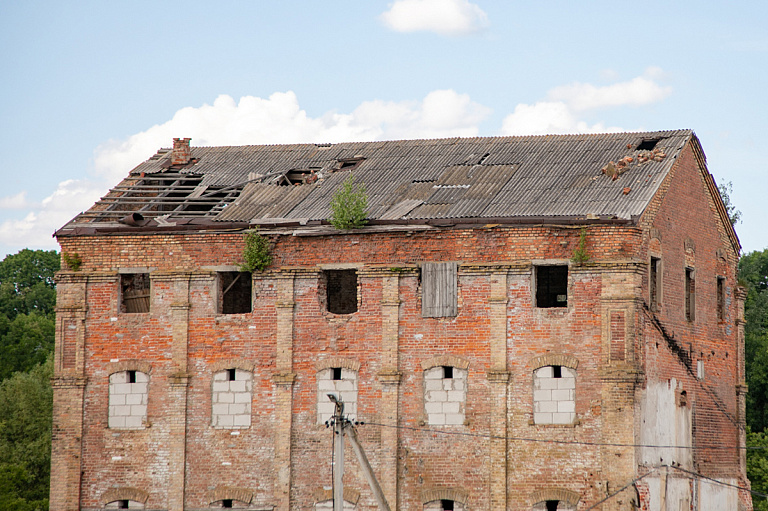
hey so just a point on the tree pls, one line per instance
(753, 274)
(26, 410)
(726, 189)
(348, 205)
(27, 282)
(27, 340)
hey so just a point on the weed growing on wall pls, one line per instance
(256, 253)
(348, 205)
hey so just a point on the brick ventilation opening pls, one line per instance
(654, 283)
(554, 397)
(234, 292)
(551, 286)
(720, 298)
(128, 398)
(134, 293)
(690, 294)
(341, 291)
(445, 396)
(231, 399)
(344, 387)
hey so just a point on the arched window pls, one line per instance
(554, 395)
(128, 397)
(231, 399)
(342, 382)
(445, 393)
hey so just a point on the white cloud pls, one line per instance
(444, 17)
(639, 91)
(18, 201)
(560, 112)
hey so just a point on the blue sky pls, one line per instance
(90, 89)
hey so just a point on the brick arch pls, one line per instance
(333, 361)
(232, 363)
(130, 365)
(350, 495)
(230, 493)
(124, 493)
(445, 360)
(454, 494)
(569, 497)
(554, 359)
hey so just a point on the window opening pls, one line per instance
(231, 374)
(690, 295)
(720, 299)
(128, 398)
(447, 372)
(445, 395)
(122, 504)
(235, 292)
(439, 290)
(231, 398)
(336, 373)
(131, 376)
(446, 505)
(134, 292)
(655, 283)
(648, 144)
(557, 372)
(554, 397)
(551, 286)
(552, 505)
(226, 503)
(349, 163)
(341, 291)
(341, 382)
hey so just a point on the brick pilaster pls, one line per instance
(390, 380)
(284, 379)
(498, 377)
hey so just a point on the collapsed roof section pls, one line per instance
(609, 176)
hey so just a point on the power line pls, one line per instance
(722, 483)
(609, 497)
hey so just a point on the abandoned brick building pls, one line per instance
(525, 323)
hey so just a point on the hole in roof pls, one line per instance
(349, 163)
(485, 156)
(648, 144)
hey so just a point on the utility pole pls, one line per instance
(341, 426)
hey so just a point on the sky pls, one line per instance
(88, 90)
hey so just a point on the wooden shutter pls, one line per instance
(439, 290)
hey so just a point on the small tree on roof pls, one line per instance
(348, 205)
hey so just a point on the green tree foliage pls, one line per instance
(348, 205)
(26, 410)
(726, 189)
(27, 340)
(26, 282)
(753, 274)
(256, 253)
(757, 467)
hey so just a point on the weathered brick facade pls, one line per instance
(645, 375)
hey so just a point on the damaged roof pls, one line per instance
(608, 176)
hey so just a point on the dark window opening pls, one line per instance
(655, 283)
(231, 374)
(131, 376)
(235, 297)
(551, 286)
(446, 505)
(552, 505)
(557, 371)
(226, 503)
(134, 292)
(447, 372)
(336, 373)
(341, 291)
(648, 144)
(122, 504)
(720, 298)
(690, 295)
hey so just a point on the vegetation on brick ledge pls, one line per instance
(580, 255)
(73, 261)
(256, 253)
(348, 206)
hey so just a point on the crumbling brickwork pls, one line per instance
(602, 355)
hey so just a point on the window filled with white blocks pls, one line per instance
(554, 395)
(341, 382)
(124, 504)
(444, 505)
(327, 505)
(128, 396)
(445, 392)
(231, 399)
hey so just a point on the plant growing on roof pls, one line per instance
(256, 253)
(580, 255)
(348, 205)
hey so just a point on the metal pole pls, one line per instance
(367, 470)
(338, 455)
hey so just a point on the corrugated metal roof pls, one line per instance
(537, 176)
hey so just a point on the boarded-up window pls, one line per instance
(618, 332)
(341, 291)
(690, 294)
(234, 292)
(134, 292)
(552, 286)
(439, 295)
(654, 283)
